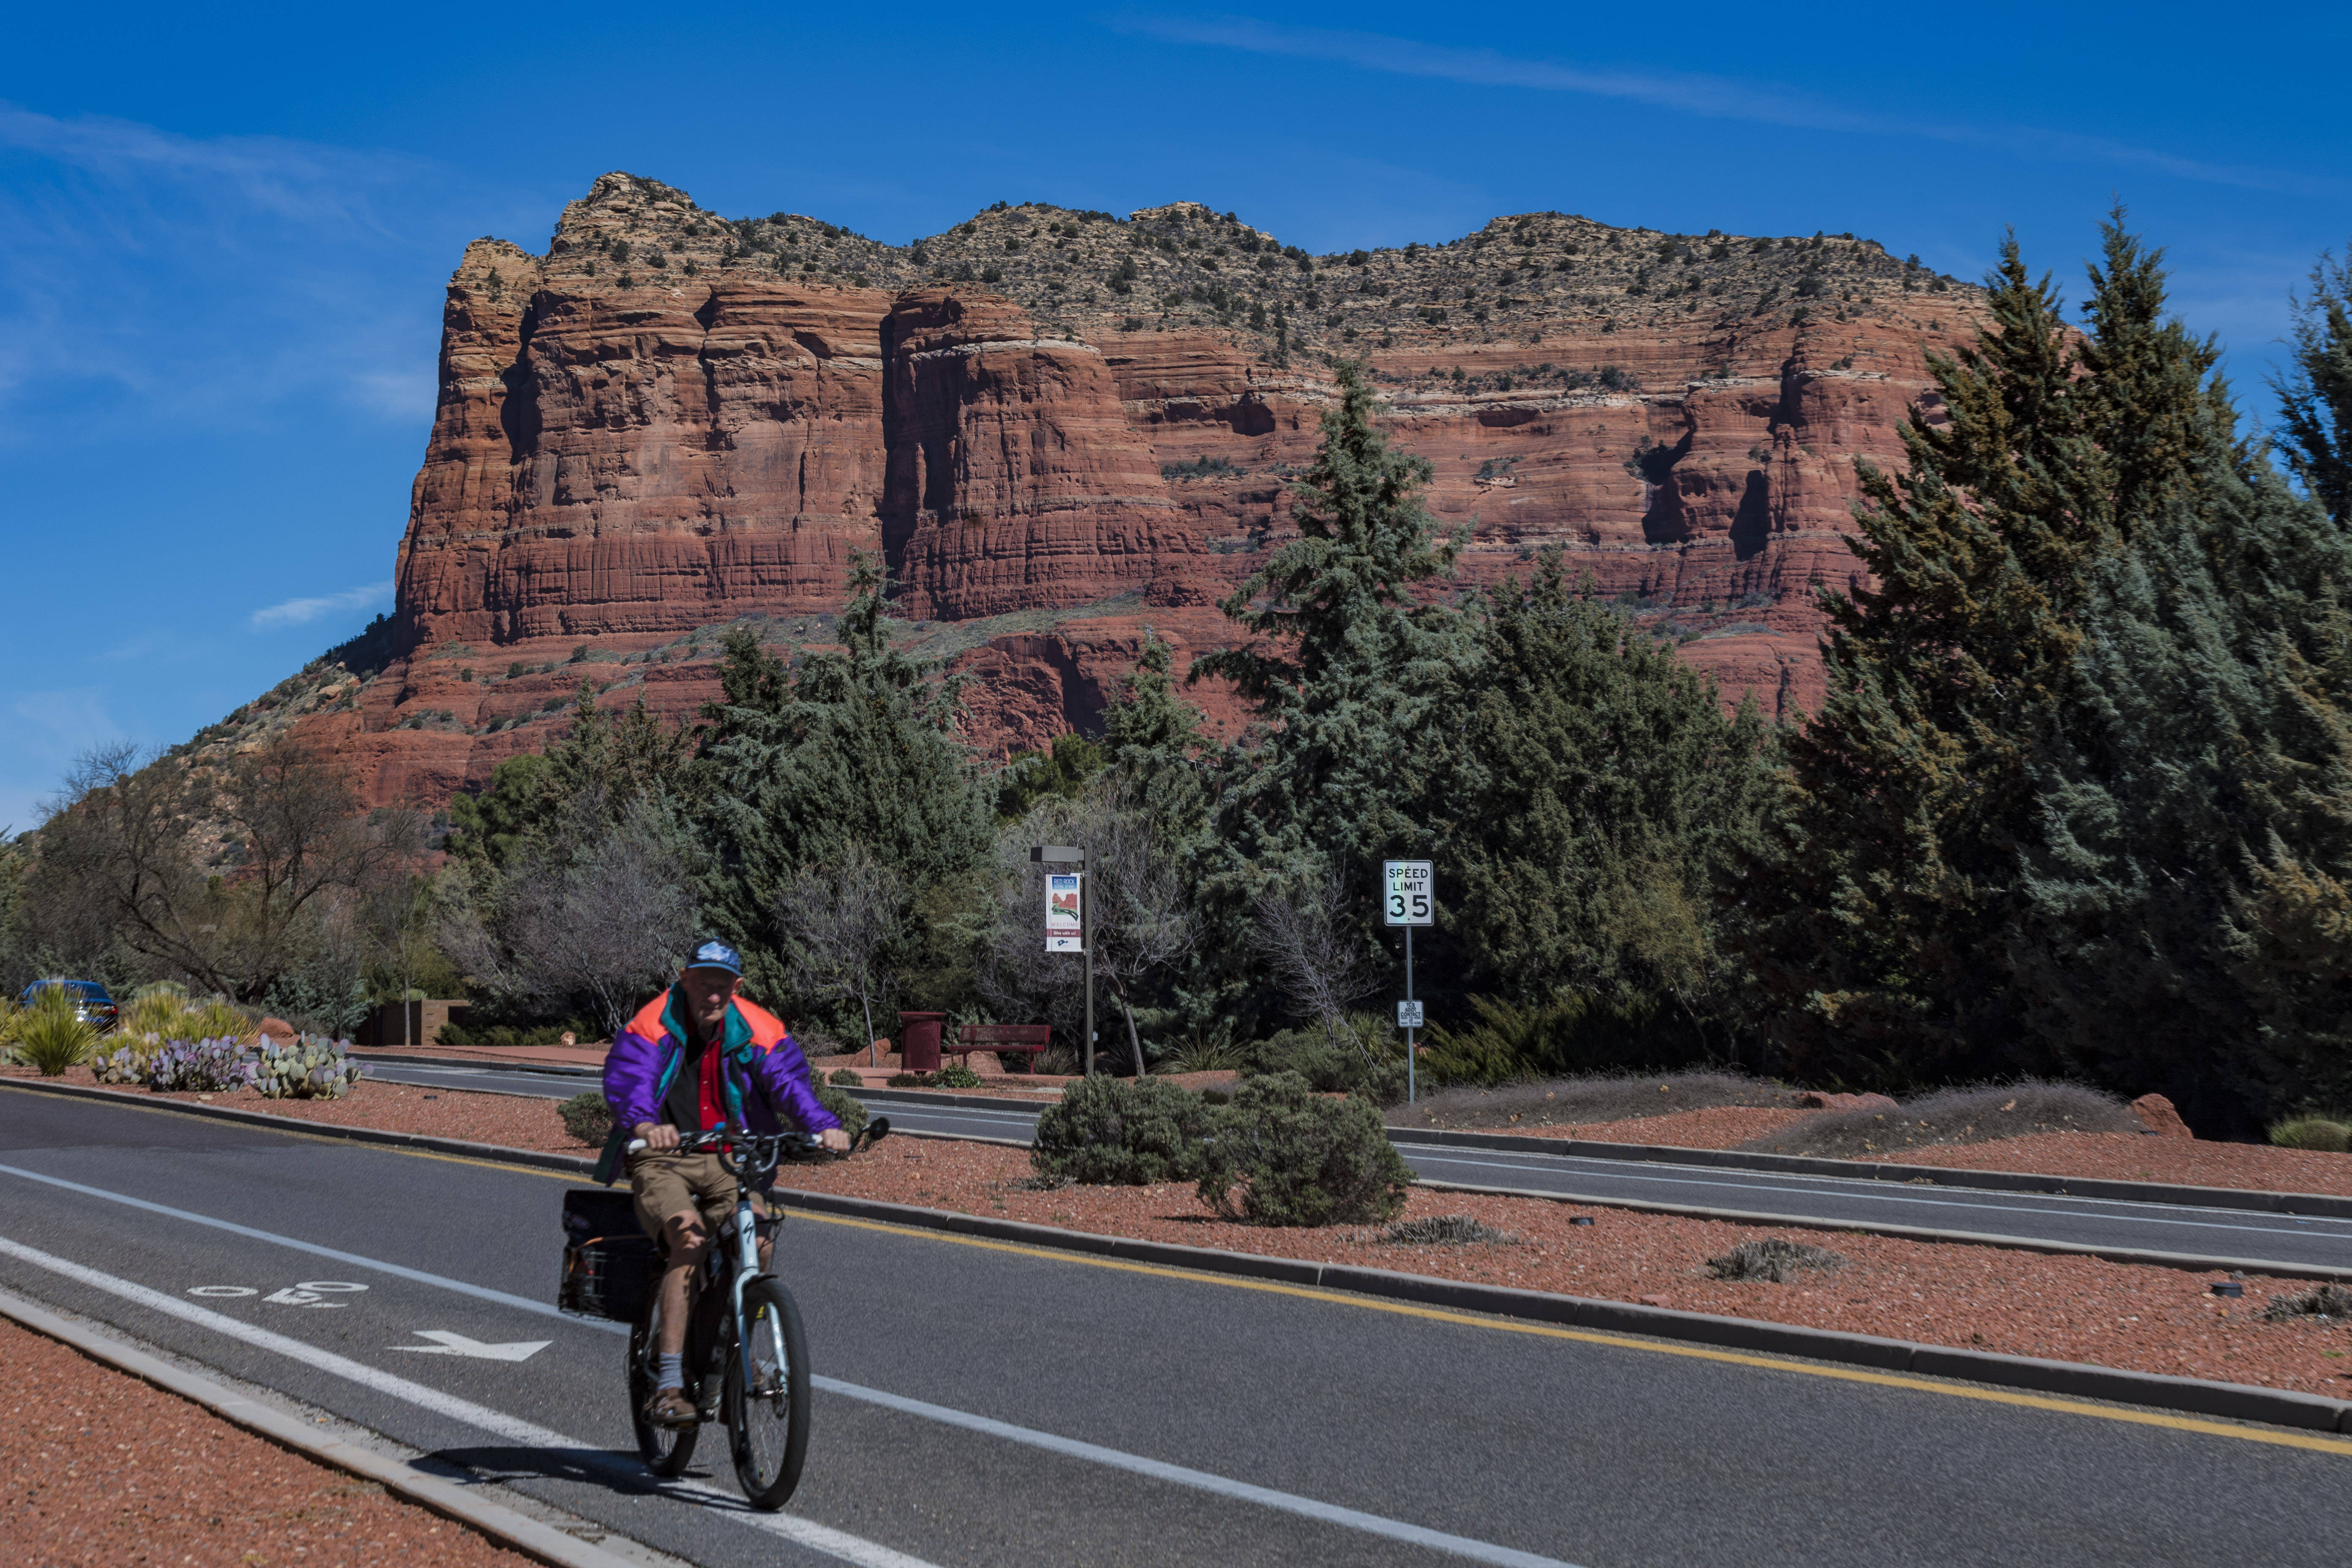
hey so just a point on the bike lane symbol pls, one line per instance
(306, 1293)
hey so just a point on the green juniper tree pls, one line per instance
(854, 746)
(2077, 800)
(2316, 396)
(1586, 802)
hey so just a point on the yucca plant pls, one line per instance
(52, 1035)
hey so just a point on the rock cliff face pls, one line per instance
(1060, 428)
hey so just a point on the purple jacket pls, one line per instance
(760, 1056)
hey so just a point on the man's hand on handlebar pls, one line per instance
(656, 1135)
(835, 1139)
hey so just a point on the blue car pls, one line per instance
(91, 1004)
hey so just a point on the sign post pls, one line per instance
(1408, 898)
(1070, 919)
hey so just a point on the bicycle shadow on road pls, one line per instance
(616, 1471)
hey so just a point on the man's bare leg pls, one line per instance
(687, 1242)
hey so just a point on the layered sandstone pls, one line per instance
(669, 422)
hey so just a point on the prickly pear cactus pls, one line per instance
(206, 1066)
(307, 1069)
(127, 1063)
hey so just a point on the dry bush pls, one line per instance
(1445, 1230)
(1953, 1116)
(1773, 1258)
(1587, 1100)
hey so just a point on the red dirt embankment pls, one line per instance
(100, 1470)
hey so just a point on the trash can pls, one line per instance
(919, 1043)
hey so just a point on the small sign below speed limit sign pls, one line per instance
(1411, 897)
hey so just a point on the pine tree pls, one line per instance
(1153, 737)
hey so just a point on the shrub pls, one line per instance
(2318, 1133)
(1113, 1131)
(1773, 1258)
(955, 1075)
(1364, 1059)
(845, 1076)
(906, 1080)
(204, 1066)
(1298, 1158)
(846, 1108)
(587, 1118)
(51, 1037)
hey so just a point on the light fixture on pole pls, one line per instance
(1058, 938)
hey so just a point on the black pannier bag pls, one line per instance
(608, 1260)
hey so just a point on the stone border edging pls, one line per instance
(2317, 1206)
(518, 1532)
(2231, 1399)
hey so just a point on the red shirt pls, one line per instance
(713, 1096)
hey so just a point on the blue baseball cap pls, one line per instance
(716, 955)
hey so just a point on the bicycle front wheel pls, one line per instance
(767, 1395)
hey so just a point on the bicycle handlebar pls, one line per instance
(768, 1147)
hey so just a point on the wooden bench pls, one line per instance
(1021, 1039)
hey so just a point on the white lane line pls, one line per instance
(821, 1538)
(1422, 1151)
(1202, 1480)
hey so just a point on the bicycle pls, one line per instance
(746, 1352)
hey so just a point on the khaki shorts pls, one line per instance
(667, 1183)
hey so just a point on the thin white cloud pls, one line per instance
(302, 612)
(1721, 98)
(396, 394)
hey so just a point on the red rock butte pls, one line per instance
(1061, 428)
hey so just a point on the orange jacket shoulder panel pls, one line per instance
(766, 1027)
(647, 1024)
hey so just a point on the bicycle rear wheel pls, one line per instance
(666, 1449)
(767, 1395)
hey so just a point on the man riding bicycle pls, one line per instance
(697, 1057)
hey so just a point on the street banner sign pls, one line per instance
(1409, 895)
(1408, 1015)
(1065, 932)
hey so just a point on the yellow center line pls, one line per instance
(2285, 1439)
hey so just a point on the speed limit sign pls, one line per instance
(1411, 895)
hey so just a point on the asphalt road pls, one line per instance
(981, 1404)
(2087, 1222)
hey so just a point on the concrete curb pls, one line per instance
(396, 1059)
(2070, 1379)
(2238, 1402)
(540, 1542)
(2317, 1206)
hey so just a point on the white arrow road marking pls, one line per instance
(458, 1344)
(570, 1451)
(293, 1295)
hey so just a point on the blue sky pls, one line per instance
(223, 238)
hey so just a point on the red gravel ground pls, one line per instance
(100, 1470)
(2019, 1303)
